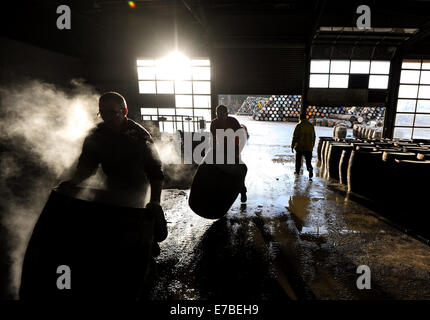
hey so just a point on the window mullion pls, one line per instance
(416, 101)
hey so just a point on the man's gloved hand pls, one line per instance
(160, 223)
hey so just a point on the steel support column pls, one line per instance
(393, 89)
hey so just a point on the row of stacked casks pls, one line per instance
(252, 105)
(280, 108)
(391, 173)
(366, 132)
(325, 122)
(288, 108)
(366, 114)
(353, 114)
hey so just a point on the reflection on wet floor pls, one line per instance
(294, 238)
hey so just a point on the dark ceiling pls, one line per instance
(110, 29)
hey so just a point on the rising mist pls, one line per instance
(41, 133)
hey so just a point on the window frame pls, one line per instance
(416, 99)
(195, 64)
(329, 72)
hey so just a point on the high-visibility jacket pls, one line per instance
(304, 136)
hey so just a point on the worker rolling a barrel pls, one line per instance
(303, 142)
(224, 121)
(127, 155)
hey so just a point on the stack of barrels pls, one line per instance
(280, 108)
(333, 122)
(360, 115)
(252, 105)
(288, 108)
(362, 131)
(387, 172)
(367, 114)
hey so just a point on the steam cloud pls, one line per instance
(41, 133)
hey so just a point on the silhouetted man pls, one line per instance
(303, 142)
(224, 121)
(128, 158)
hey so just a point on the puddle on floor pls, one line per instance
(313, 220)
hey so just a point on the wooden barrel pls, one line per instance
(421, 141)
(355, 130)
(390, 149)
(325, 155)
(324, 122)
(325, 146)
(409, 170)
(421, 156)
(215, 188)
(372, 133)
(367, 148)
(343, 165)
(360, 143)
(320, 145)
(384, 145)
(391, 156)
(346, 140)
(340, 132)
(377, 134)
(417, 150)
(406, 144)
(333, 159)
(411, 147)
(362, 168)
(387, 171)
(361, 130)
(106, 247)
(412, 198)
(366, 133)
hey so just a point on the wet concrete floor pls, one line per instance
(294, 238)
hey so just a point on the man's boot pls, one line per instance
(243, 196)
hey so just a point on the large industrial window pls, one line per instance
(413, 104)
(340, 73)
(186, 80)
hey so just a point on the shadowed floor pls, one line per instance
(295, 238)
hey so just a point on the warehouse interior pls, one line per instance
(366, 90)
